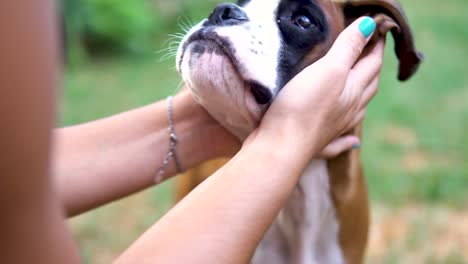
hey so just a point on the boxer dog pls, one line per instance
(237, 60)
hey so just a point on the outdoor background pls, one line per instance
(415, 139)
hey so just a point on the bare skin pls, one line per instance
(47, 174)
(108, 159)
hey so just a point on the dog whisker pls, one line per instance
(176, 37)
(167, 56)
(171, 46)
(179, 87)
(183, 26)
(186, 25)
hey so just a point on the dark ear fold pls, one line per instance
(388, 15)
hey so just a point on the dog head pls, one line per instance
(237, 60)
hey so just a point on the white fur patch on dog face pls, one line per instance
(221, 64)
(258, 43)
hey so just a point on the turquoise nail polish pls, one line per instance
(367, 26)
(357, 146)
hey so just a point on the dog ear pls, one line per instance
(388, 15)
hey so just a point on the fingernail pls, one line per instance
(367, 26)
(357, 146)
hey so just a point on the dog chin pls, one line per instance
(217, 85)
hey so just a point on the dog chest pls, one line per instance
(306, 230)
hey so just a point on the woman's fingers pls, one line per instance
(340, 145)
(364, 79)
(369, 92)
(357, 113)
(337, 98)
(349, 45)
(358, 119)
(368, 67)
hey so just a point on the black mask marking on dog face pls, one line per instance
(242, 2)
(303, 25)
(261, 93)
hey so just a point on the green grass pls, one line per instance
(415, 138)
(111, 86)
(415, 134)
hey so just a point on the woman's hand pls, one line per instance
(329, 97)
(215, 141)
(220, 143)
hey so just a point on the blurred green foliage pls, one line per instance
(126, 25)
(116, 27)
(103, 26)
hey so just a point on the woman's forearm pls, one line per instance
(102, 161)
(224, 218)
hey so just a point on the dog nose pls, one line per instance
(227, 14)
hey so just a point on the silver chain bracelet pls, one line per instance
(172, 145)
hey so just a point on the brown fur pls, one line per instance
(186, 182)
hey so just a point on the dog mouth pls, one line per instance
(206, 40)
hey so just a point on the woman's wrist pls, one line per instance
(288, 138)
(200, 137)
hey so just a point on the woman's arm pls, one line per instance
(224, 218)
(102, 161)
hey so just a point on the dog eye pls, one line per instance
(303, 21)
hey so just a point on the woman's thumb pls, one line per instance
(349, 45)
